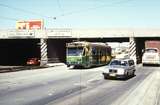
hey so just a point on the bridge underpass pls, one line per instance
(140, 45)
(56, 42)
(56, 48)
(15, 52)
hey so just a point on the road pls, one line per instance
(62, 86)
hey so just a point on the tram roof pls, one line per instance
(84, 43)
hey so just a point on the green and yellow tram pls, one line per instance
(87, 54)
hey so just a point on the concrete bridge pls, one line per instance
(80, 33)
(18, 45)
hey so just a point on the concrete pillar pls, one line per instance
(132, 49)
(44, 57)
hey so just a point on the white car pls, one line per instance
(120, 68)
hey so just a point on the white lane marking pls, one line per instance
(94, 80)
(80, 84)
(51, 93)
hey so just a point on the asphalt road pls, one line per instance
(63, 86)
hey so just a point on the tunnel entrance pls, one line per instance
(15, 52)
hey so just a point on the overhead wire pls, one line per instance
(8, 18)
(62, 11)
(60, 6)
(64, 14)
(93, 8)
(24, 11)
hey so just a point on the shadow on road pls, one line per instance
(121, 79)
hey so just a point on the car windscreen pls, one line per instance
(118, 62)
(74, 51)
(151, 50)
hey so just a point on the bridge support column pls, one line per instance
(44, 57)
(132, 49)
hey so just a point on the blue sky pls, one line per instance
(83, 13)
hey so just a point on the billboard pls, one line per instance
(29, 25)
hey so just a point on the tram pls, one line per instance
(87, 54)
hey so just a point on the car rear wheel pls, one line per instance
(87, 66)
(68, 65)
(105, 76)
(127, 75)
(133, 74)
(144, 64)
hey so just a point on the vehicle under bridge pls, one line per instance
(16, 52)
(140, 45)
(56, 48)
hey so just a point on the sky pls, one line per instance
(82, 13)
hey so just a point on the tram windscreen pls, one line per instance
(74, 51)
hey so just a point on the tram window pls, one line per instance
(100, 52)
(84, 52)
(94, 51)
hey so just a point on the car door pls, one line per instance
(131, 66)
(126, 67)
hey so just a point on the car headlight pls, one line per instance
(106, 70)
